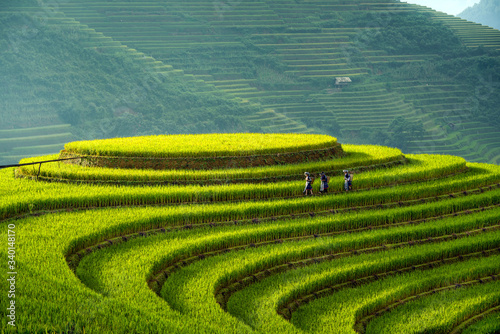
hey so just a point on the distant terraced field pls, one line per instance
(413, 248)
(22, 143)
(284, 57)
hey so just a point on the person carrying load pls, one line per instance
(347, 180)
(309, 182)
(323, 188)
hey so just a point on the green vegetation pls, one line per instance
(356, 158)
(268, 66)
(489, 325)
(228, 144)
(345, 307)
(414, 33)
(262, 298)
(28, 196)
(440, 312)
(52, 77)
(253, 257)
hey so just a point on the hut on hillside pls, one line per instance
(342, 81)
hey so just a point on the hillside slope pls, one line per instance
(486, 12)
(56, 76)
(421, 80)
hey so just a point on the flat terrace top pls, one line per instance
(202, 145)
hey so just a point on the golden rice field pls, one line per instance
(206, 145)
(413, 248)
(202, 152)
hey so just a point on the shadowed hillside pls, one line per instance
(486, 12)
(420, 80)
(59, 85)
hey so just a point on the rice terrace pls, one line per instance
(183, 167)
(414, 247)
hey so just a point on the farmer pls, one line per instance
(309, 181)
(347, 180)
(323, 188)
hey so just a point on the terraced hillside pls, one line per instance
(201, 66)
(485, 12)
(414, 247)
(286, 57)
(17, 144)
(61, 74)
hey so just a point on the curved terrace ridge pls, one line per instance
(205, 151)
(186, 254)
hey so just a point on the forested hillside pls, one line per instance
(419, 80)
(57, 86)
(486, 12)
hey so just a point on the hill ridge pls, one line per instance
(279, 60)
